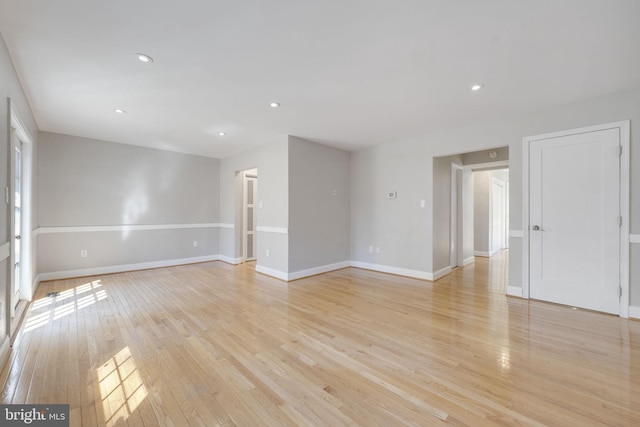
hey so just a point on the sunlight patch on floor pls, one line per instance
(121, 387)
(44, 310)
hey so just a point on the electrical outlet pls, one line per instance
(83, 253)
(377, 250)
(370, 249)
(195, 243)
(334, 192)
(267, 252)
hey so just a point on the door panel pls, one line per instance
(574, 208)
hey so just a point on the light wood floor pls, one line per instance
(214, 344)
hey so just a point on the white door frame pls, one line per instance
(624, 129)
(26, 284)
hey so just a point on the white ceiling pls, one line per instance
(348, 73)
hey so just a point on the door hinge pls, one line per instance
(620, 150)
(6, 194)
(619, 221)
(619, 291)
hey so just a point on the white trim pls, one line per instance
(484, 254)
(441, 273)
(634, 312)
(318, 270)
(225, 225)
(516, 234)
(500, 164)
(279, 230)
(468, 261)
(625, 197)
(230, 260)
(514, 291)
(5, 351)
(36, 283)
(271, 272)
(17, 123)
(417, 274)
(634, 238)
(5, 251)
(56, 275)
(100, 228)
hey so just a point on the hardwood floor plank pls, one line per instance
(215, 344)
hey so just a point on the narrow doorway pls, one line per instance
(249, 214)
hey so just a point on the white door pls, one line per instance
(574, 209)
(249, 216)
(17, 217)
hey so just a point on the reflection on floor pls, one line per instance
(216, 344)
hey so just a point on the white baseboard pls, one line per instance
(393, 270)
(5, 350)
(634, 312)
(441, 273)
(230, 260)
(318, 270)
(514, 291)
(36, 282)
(482, 254)
(468, 261)
(56, 275)
(271, 272)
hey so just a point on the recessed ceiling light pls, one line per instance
(144, 58)
(222, 133)
(119, 111)
(274, 105)
(477, 87)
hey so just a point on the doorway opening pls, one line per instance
(247, 215)
(461, 222)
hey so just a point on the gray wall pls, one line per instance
(271, 159)
(10, 88)
(481, 202)
(406, 232)
(85, 182)
(468, 214)
(442, 210)
(319, 221)
(399, 227)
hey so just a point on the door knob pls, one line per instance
(535, 228)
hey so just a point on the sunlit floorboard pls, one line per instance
(214, 344)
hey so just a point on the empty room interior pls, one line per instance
(280, 213)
